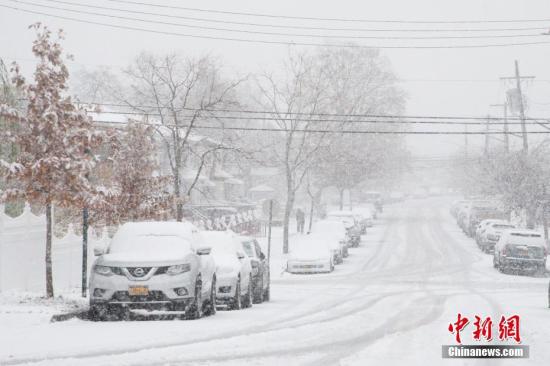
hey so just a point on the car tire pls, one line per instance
(495, 264)
(195, 309)
(210, 308)
(98, 313)
(249, 296)
(259, 293)
(236, 304)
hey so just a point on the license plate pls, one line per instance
(138, 291)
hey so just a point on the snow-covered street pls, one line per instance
(391, 301)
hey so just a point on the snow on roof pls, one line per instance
(261, 188)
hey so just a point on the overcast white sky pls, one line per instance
(428, 76)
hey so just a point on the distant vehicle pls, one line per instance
(457, 206)
(313, 255)
(480, 213)
(334, 233)
(153, 266)
(349, 219)
(520, 249)
(234, 285)
(365, 217)
(260, 268)
(491, 234)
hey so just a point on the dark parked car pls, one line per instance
(260, 269)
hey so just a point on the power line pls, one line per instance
(173, 16)
(329, 131)
(296, 119)
(272, 42)
(264, 15)
(277, 33)
(349, 115)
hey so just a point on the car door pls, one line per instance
(262, 258)
(207, 267)
(246, 267)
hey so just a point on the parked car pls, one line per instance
(234, 268)
(365, 217)
(482, 226)
(312, 255)
(353, 229)
(480, 213)
(334, 233)
(260, 268)
(491, 234)
(520, 249)
(457, 206)
(154, 266)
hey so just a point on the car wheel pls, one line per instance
(195, 309)
(211, 304)
(98, 313)
(495, 264)
(248, 297)
(259, 293)
(237, 303)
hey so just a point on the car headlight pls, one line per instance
(179, 268)
(103, 270)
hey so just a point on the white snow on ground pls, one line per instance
(389, 303)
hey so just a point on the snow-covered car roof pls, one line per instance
(221, 241)
(523, 237)
(132, 229)
(317, 243)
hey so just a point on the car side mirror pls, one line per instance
(99, 251)
(203, 250)
(262, 256)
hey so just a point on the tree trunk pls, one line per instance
(531, 218)
(311, 210)
(177, 186)
(84, 251)
(286, 220)
(350, 202)
(48, 258)
(341, 191)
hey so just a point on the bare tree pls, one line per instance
(180, 94)
(294, 102)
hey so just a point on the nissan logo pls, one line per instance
(139, 272)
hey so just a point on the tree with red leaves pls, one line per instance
(55, 140)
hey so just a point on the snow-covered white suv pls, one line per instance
(154, 266)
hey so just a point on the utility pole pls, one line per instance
(506, 132)
(486, 150)
(466, 142)
(518, 79)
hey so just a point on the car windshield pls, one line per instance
(248, 247)
(150, 243)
